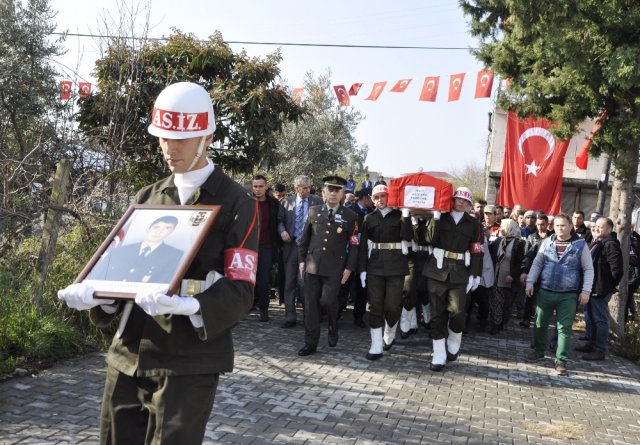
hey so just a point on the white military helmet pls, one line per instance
(464, 193)
(182, 110)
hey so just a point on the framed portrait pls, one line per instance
(151, 246)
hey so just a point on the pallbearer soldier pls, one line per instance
(383, 264)
(453, 271)
(328, 255)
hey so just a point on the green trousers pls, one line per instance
(565, 304)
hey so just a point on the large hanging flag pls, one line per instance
(65, 89)
(84, 89)
(533, 164)
(430, 89)
(582, 157)
(353, 91)
(343, 96)
(401, 85)
(484, 84)
(376, 91)
(455, 86)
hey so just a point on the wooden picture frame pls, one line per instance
(144, 252)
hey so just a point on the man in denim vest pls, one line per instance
(563, 265)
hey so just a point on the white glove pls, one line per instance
(363, 279)
(405, 247)
(157, 302)
(405, 212)
(473, 283)
(436, 214)
(80, 296)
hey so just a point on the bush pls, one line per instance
(630, 347)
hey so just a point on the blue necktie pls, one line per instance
(300, 219)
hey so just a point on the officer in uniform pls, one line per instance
(165, 360)
(452, 271)
(383, 264)
(328, 254)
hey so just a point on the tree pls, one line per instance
(29, 141)
(471, 175)
(569, 60)
(322, 142)
(250, 105)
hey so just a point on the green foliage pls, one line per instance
(630, 347)
(568, 60)
(28, 337)
(323, 141)
(250, 106)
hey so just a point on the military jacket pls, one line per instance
(329, 246)
(465, 236)
(169, 344)
(392, 228)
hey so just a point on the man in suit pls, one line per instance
(150, 261)
(291, 217)
(267, 245)
(328, 255)
(366, 185)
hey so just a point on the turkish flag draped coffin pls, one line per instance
(533, 163)
(420, 191)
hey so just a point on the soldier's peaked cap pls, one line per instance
(334, 181)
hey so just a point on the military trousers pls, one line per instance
(320, 296)
(158, 410)
(385, 299)
(448, 307)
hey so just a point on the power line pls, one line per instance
(238, 42)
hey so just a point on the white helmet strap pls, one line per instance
(199, 153)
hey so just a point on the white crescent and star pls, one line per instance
(342, 92)
(484, 80)
(431, 84)
(456, 83)
(403, 84)
(540, 132)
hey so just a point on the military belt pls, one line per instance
(453, 255)
(420, 248)
(189, 288)
(387, 246)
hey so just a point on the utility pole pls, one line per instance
(603, 185)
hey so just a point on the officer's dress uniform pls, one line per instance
(381, 257)
(457, 255)
(328, 246)
(162, 371)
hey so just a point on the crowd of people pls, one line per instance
(416, 268)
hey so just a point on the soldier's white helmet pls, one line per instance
(380, 188)
(182, 110)
(464, 193)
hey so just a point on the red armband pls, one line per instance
(240, 264)
(476, 247)
(354, 240)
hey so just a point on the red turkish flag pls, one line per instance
(343, 96)
(582, 157)
(297, 94)
(65, 89)
(376, 91)
(430, 89)
(84, 89)
(353, 91)
(484, 84)
(401, 85)
(533, 164)
(455, 86)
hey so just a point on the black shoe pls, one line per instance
(436, 368)
(452, 357)
(386, 346)
(524, 324)
(306, 350)
(494, 330)
(288, 325)
(371, 356)
(584, 348)
(404, 335)
(264, 317)
(332, 338)
(358, 322)
(413, 331)
(583, 338)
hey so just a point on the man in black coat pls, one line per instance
(328, 255)
(607, 268)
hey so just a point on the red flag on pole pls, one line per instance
(65, 89)
(343, 97)
(353, 91)
(582, 157)
(484, 84)
(401, 85)
(533, 164)
(84, 89)
(297, 94)
(376, 91)
(455, 86)
(430, 89)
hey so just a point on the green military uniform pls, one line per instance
(328, 246)
(386, 266)
(166, 354)
(447, 284)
